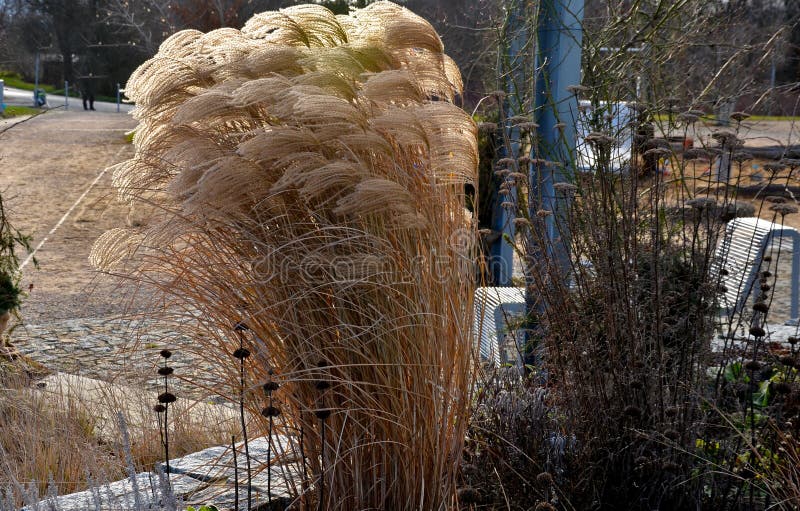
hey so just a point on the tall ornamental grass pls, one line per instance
(307, 175)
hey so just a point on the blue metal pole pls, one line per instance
(559, 37)
(66, 94)
(36, 81)
(2, 92)
(512, 65)
(118, 97)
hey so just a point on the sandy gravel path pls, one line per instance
(49, 163)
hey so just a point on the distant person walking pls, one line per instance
(87, 92)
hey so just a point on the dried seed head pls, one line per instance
(600, 139)
(752, 365)
(165, 371)
(761, 307)
(544, 480)
(487, 127)
(322, 385)
(271, 386)
(688, 117)
(739, 116)
(789, 361)
(521, 222)
(470, 470)
(672, 434)
(577, 89)
(166, 398)
(652, 143)
(322, 413)
(766, 274)
(775, 199)
(527, 126)
(524, 160)
(544, 506)
(517, 119)
(774, 166)
(241, 353)
(757, 331)
(701, 203)
(507, 205)
(159, 408)
(784, 209)
(543, 213)
(740, 156)
(792, 340)
(559, 125)
(672, 411)
(270, 411)
(165, 353)
(566, 188)
(726, 138)
(499, 94)
(505, 162)
(658, 152)
(468, 495)
(696, 154)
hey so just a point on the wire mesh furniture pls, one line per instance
(741, 255)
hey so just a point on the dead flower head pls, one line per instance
(487, 127)
(600, 139)
(688, 117)
(577, 89)
(658, 152)
(701, 203)
(565, 188)
(774, 166)
(696, 154)
(784, 209)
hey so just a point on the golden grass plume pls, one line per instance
(308, 172)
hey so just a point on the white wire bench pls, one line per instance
(740, 254)
(496, 309)
(739, 258)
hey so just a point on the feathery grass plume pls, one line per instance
(307, 176)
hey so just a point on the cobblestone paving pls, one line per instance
(114, 349)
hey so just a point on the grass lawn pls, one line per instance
(16, 81)
(711, 117)
(13, 111)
